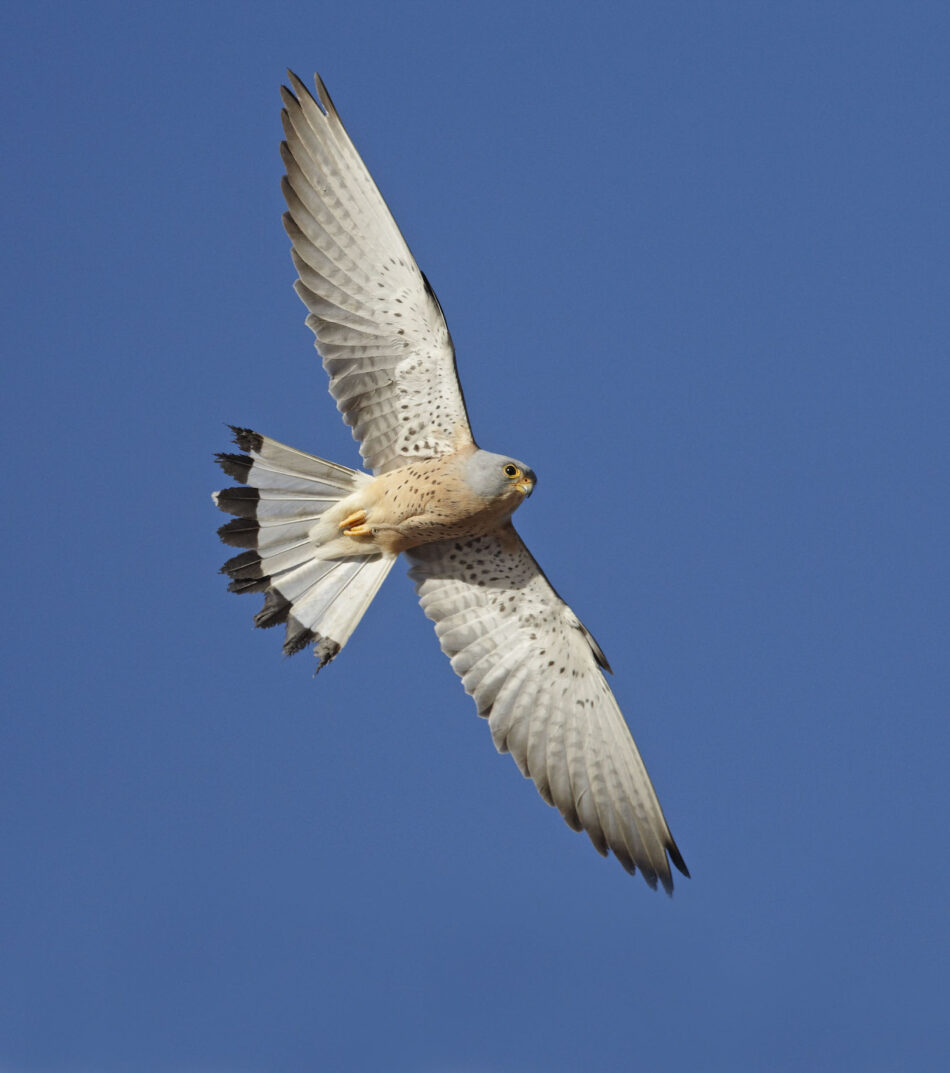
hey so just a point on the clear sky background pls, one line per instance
(695, 261)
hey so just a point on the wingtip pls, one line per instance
(300, 89)
(656, 875)
(324, 94)
(297, 83)
(677, 858)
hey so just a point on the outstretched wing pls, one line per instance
(534, 673)
(377, 322)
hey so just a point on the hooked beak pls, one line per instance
(526, 485)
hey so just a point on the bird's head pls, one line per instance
(492, 476)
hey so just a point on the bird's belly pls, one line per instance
(428, 526)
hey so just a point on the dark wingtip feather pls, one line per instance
(666, 878)
(599, 656)
(677, 858)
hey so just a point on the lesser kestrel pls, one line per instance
(320, 538)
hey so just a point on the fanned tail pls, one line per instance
(278, 506)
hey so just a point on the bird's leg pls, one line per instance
(353, 524)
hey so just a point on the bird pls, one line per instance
(319, 538)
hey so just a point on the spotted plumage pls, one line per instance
(318, 538)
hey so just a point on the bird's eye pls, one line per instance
(512, 471)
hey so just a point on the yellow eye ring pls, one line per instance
(511, 472)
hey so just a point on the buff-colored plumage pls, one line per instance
(319, 538)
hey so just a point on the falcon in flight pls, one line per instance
(319, 538)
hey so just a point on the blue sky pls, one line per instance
(694, 258)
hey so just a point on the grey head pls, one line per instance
(490, 475)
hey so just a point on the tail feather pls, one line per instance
(277, 508)
(268, 534)
(250, 572)
(246, 502)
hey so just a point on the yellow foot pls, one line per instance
(358, 530)
(356, 518)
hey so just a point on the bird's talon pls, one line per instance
(355, 519)
(358, 530)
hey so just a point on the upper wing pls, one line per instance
(378, 323)
(533, 671)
